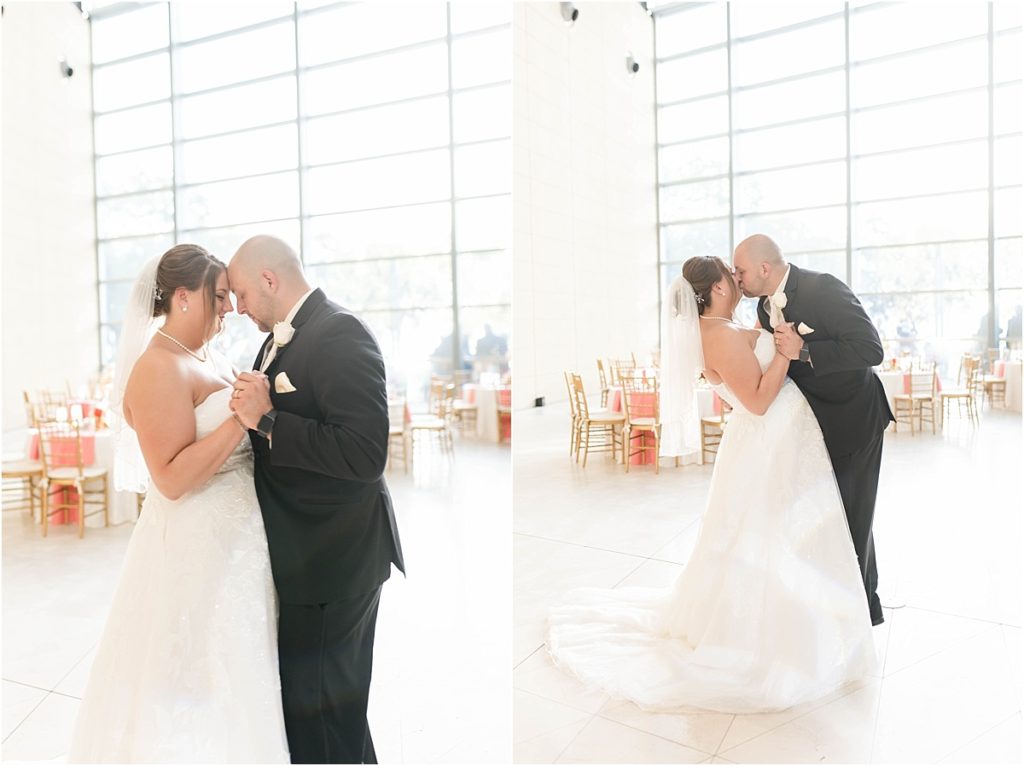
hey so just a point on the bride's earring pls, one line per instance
(184, 307)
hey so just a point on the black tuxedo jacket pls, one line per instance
(326, 507)
(845, 394)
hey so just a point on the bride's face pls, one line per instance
(221, 303)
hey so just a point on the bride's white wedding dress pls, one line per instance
(186, 670)
(769, 611)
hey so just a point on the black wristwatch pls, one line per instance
(266, 425)
(805, 356)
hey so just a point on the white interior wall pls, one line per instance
(48, 284)
(585, 248)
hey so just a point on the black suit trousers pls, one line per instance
(857, 477)
(326, 657)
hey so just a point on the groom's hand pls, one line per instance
(787, 341)
(251, 398)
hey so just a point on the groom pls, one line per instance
(316, 406)
(821, 326)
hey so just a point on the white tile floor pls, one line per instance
(948, 534)
(441, 689)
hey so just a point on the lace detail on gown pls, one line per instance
(186, 670)
(770, 609)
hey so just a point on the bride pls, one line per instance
(186, 669)
(769, 611)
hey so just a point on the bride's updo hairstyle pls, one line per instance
(191, 267)
(703, 272)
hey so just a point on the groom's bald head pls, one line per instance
(266, 276)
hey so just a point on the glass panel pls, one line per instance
(1009, 263)
(1009, 63)
(947, 266)
(356, 29)
(417, 230)
(752, 18)
(485, 278)
(108, 343)
(403, 337)
(693, 75)
(789, 145)
(245, 56)
(134, 215)
(1006, 15)
(135, 82)
(683, 241)
(246, 106)
(820, 46)
(375, 81)
(194, 20)
(823, 229)
(483, 169)
(393, 283)
(483, 224)
(792, 188)
(807, 97)
(390, 181)
(124, 258)
(239, 154)
(127, 34)
(1008, 108)
(133, 129)
(249, 199)
(693, 160)
(486, 331)
(701, 199)
(135, 171)
(891, 27)
(930, 318)
(239, 340)
(391, 129)
(1008, 309)
(484, 113)
(697, 27)
(1008, 161)
(469, 16)
(482, 58)
(831, 262)
(957, 67)
(1009, 204)
(693, 120)
(922, 171)
(933, 219)
(946, 118)
(225, 241)
(114, 299)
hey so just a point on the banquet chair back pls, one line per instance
(603, 379)
(574, 413)
(642, 425)
(921, 398)
(621, 368)
(68, 483)
(600, 431)
(964, 395)
(398, 434)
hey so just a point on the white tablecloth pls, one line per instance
(892, 382)
(1013, 396)
(486, 400)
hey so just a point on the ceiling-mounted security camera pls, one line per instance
(65, 70)
(631, 66)
(569, 12)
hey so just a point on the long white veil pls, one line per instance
(682, 360)
(137, 328)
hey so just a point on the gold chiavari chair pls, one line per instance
(641, 408)
(398, 434)
(965, 394)
(436, 424)
(60, 451)
(918, 401)
(574, 414)
(621, 368)
(603, 378)
(712, 429)
(22, 479)
(600, 431)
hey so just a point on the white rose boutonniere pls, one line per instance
(283, 332)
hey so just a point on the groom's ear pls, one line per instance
(269, 279)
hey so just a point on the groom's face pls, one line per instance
(250, 299)
(748, 274)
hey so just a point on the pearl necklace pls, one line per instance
(720, 319)
(181, 345)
